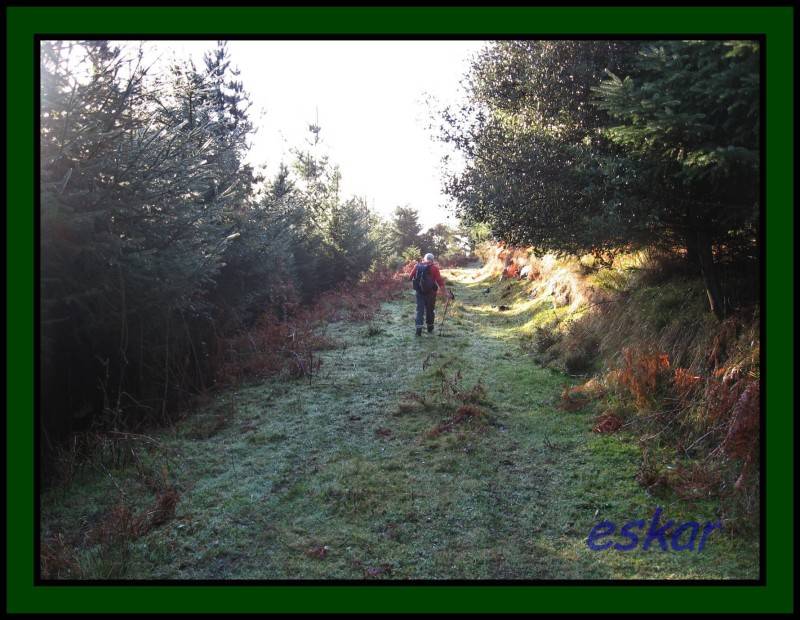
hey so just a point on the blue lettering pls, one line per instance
(657, 533)
(710, 527)
(676, 536)
(601, 530)
(626, 532)
(632, 532)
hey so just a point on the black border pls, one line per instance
(761, 38)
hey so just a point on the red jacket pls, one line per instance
(437, 277)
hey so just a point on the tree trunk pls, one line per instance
(710, 277)
(692, 254)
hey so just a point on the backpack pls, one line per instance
(423, 279)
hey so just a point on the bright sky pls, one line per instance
(370, 99)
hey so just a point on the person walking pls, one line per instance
(427, 281)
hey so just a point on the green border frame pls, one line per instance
(774, 22)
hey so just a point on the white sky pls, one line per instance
(370, 97)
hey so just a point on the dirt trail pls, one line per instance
(391, 463)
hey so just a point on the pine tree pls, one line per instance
(229, 123)
(406, 229)
(132, 244)
(688, 121)
(563, 155)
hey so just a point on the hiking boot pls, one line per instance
(430, 329)
(419, 331)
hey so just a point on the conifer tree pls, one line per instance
(687, 127)
(406, 228)
(596, 146)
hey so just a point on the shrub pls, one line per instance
(465, 414)
(411, 253)
(544, 338)
(57, 559)
(291, 346)
(685, 384)
(577, 362)
(643, 373)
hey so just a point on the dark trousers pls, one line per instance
(425, 308)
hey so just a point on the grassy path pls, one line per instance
(342, 477)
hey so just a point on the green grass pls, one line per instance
(341, 478)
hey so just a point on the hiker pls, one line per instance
(427, 281)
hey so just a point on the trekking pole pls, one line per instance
(444, 314)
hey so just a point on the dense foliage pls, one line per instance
(409, 242)
(159, 240)
(590, 146)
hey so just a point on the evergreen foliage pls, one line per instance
(158, 238)
(406, 228)
(591, 146)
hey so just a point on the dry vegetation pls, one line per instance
(282, 349)
(290, 346)
(658, 364)
(448, 456)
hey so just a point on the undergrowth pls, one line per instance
(663, 368)
(145, 499)
(290, 347)
(440, 457)
(656, 364)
